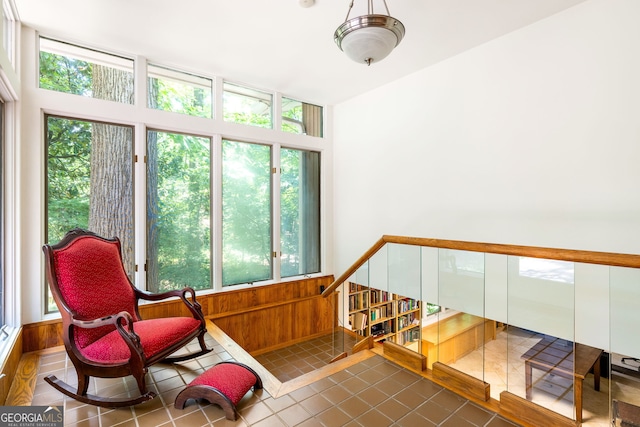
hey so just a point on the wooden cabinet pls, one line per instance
(384, 315)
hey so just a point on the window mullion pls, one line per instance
(275, 215)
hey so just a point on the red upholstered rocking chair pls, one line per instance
(103, 332)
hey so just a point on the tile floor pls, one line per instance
(371, 393)
(299, 359)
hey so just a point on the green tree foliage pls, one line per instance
(64, 74)
(180, 98)
(290, 211)
(182, 214)
(68, 164)
(246, 212)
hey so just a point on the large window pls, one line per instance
(73, 69)
(217, 210)
(178, 211)
(246, 212)
(89, 181)
(299, 212)
(2, 290)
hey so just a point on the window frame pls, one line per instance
(143, 118)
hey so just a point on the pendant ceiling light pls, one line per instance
(369, 38)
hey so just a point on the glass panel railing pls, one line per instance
(557, 333)
(625, 346)
(462, 328)
(540, 341)
(404, 284)
(356, 310)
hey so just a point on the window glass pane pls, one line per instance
(299, 212)
(179, 92)
(178, 211)
(246, 212)
(299, 117)
(90, 182)
(248, 106)
(2, 292)
(73, 69)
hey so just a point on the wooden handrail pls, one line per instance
(588, 257)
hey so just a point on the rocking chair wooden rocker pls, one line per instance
(103, 333)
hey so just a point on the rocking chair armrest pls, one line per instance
(191, 302)
(149, 296)
(113, 319)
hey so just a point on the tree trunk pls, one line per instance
(111, 193)
(152, 199)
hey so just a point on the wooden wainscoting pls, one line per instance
(271, 317)
(260, 316)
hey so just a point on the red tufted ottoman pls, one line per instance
(223, 384)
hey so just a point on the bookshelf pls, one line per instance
(384, 315)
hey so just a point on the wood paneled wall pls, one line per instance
(256, 318)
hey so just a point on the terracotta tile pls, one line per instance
(154, 418)
(193, 419)
(414, 419)
(456, 421)
(294, 415)
(272, 421)
(336, 394)
(278, 404)
(90, 422)
(116, 416)
(374, 418)
(372, 395)
(354, 385)
(302, 393)
(409, 398)
(334, 417)
(448, 400)
(354, 407)
(433, 412)
(316, 404)
(255, 413)
(474, 414)
(394, 409)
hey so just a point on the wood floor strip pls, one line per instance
(24, 383)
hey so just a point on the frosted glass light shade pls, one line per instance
(369, 38)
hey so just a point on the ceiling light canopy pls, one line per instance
(369, 38)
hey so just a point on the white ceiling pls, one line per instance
(277, 44)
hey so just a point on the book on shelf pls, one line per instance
(359, 321)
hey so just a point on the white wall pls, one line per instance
(532, 138)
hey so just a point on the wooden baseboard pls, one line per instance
(460, 382)
(404, 356)
(530, 413)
